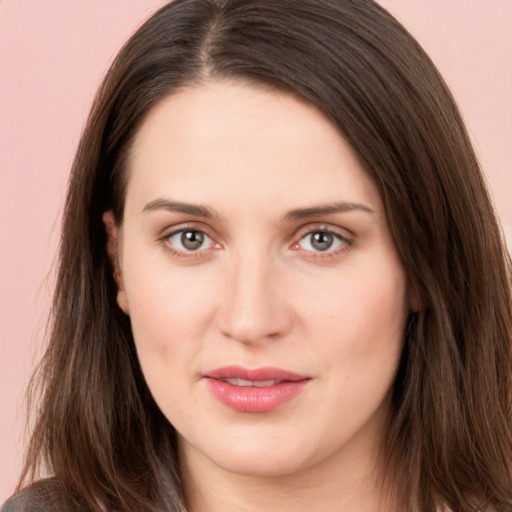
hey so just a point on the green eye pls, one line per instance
(189, 240)
(321, 241)
(192, 240)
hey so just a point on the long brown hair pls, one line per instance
(449, 442)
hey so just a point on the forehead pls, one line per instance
(226, 140)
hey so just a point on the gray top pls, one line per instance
(44, 496)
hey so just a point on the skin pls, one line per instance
(258, 292)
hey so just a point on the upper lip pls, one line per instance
(256, 374)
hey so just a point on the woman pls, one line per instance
(282, 285)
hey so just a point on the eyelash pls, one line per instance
(190, 254)
(346, 243)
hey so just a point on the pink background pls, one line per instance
(53, 54)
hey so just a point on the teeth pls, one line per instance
(251, 383)
(264, 383)
(239, 382)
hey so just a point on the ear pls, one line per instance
(113, 256)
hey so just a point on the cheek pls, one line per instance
(169, 309)
(169, 316)
(362, 347)
(360, 319)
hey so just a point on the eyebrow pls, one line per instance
(206, 212)
(326, 209)
(195, 210)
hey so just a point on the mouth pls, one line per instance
(243, 383)
(254, 391)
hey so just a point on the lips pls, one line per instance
(258, 390)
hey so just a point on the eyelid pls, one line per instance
(167, 233)
(184, 226)
(342, 234)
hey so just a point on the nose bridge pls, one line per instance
(253, 308)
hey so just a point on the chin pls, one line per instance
(262, 465)
(259, 456)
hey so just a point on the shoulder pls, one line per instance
(44, 496)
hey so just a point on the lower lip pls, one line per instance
(254, 399)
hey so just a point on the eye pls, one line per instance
(189, 240)
(321, 241)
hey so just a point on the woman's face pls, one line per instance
(265, 294)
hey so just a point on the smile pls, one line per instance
(254, 391)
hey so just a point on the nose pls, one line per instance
(255, 307)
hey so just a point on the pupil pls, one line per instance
(192, 240)
(322, 241)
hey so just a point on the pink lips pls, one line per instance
(259, 390)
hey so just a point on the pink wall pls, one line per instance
(52, 57)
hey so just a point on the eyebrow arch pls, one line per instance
(195, 210)
(326, 209)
